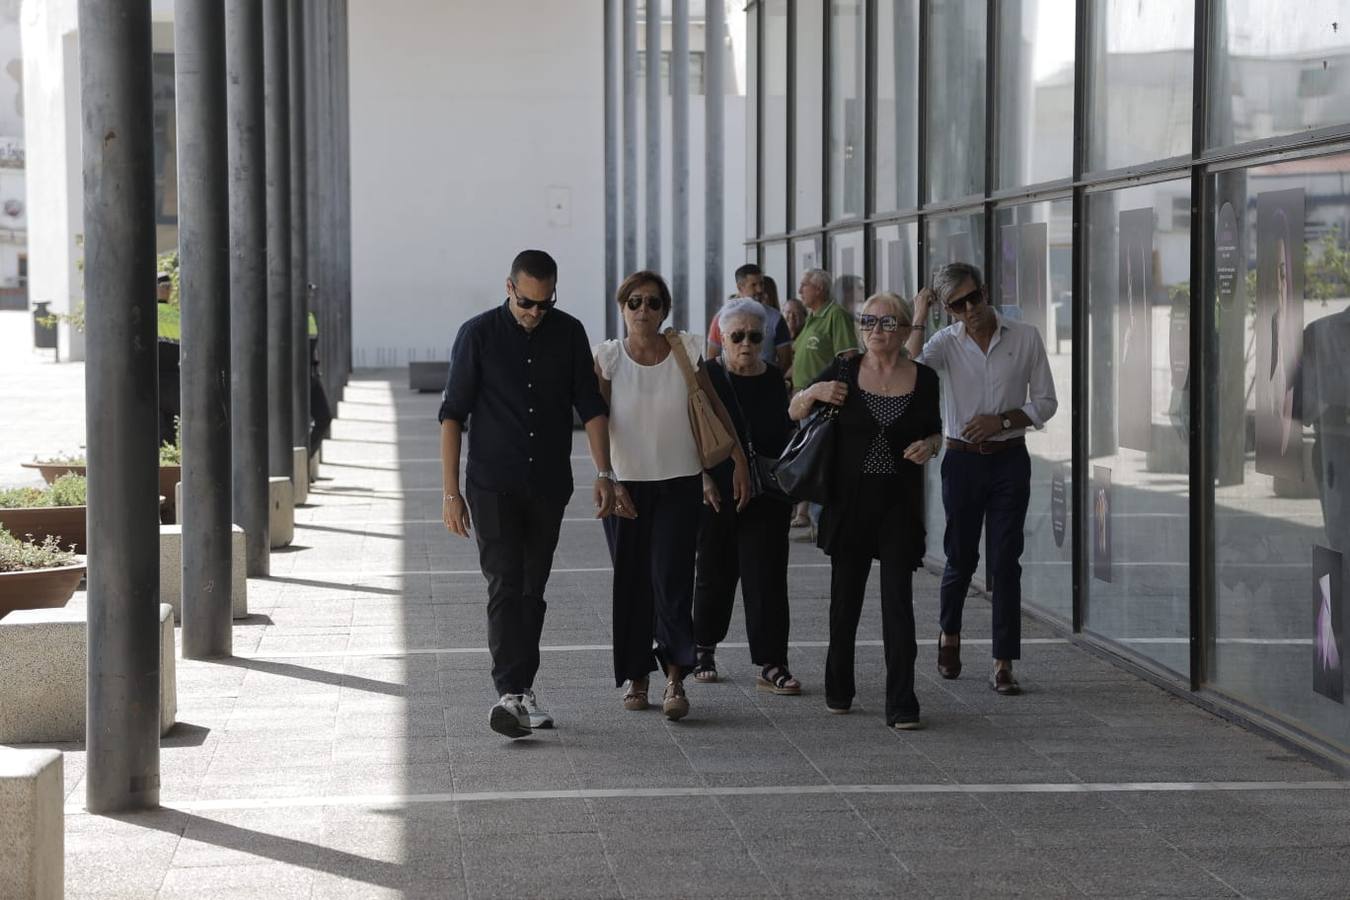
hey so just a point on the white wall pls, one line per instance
(465, 116)
(51, 86)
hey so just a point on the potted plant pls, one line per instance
(170, 468)
(36, 574)
(53, 467)
(57, 511)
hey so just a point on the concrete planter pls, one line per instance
(38, 588)
(52, 471)
(65, 523)
(168, 477)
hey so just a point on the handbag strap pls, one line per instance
(682, 358)
(740, 410)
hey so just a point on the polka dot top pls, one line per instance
(885, 411)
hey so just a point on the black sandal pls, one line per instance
(778, 680)
(705, 669)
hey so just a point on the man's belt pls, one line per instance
(985, 448)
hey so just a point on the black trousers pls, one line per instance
(516, 538)
(991, 492)
(848, 583)
(319, 411)
(750, 547)
(653, 558)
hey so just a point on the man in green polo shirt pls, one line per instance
(828, 330)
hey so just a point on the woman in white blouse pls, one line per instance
(652, 446)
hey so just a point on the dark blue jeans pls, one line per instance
(986, 492)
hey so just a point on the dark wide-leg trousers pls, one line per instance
(848, 583)
(991, 492)
(653, 558)
(516, 535)
(750, 547)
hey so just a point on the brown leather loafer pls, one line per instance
(949, 660)
(1003, 682)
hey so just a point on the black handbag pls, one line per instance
(806, 466)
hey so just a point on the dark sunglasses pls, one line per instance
(653, 301)
(754, 337)
(960, 303)
(526, 303)
(885, 323)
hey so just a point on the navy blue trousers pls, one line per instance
(653, 558)
(986, 492)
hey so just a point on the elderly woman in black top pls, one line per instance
(750, 545)
(888, 428)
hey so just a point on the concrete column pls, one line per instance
(248, 276)
(630, 139)
(714, 158)
(611, 169)
(204, 254)
(679, 174)
(344, 188)
(276, 111)
(653, 109)
(299, 232)
(116, 98)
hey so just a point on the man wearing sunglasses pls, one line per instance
(996, 384)
(519, 370)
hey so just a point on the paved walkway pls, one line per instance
(344, 752)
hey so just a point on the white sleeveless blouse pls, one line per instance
(649, 434)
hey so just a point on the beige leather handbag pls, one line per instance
(714, 442)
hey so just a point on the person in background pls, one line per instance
(777, 349)
(653, 533)
(888, 428)
(749, 545)
(998, 385)
(794, 313)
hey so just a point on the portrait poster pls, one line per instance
(1008, 256)
(1059, 504)
(1279, 332)
(1032, 274)
(1101, 523)
(1134, 373)
(1328, 617)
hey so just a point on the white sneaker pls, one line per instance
(508, 717)
(539, 717)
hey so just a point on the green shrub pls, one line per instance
(24, 498)
(68, 490)
(172, 454)
(23, 555)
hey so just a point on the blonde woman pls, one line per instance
(888, 428)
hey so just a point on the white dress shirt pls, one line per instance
(1014, 374)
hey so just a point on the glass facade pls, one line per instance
(1189, 507)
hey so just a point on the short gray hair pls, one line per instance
(951, 276)
(822, 280)
(741, 306)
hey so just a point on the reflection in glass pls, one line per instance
(1138, 588)
(775, 265)
(846, 265)
(1274, 73)
(1032, 282)
(847, 54)
(956, 78)
(810, 111)
(807, 253)
(895, 143)
(773, 184)
(1035, 91)
(1141, 79)
(1282, 439)
(895, 255)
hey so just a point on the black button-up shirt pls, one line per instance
(520, 387)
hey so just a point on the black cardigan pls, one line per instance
(855, 430)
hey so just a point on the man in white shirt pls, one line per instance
(996, 384)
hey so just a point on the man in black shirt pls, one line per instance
(519, 370)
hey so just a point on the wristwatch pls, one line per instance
(607, 475)
(1007, 424)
